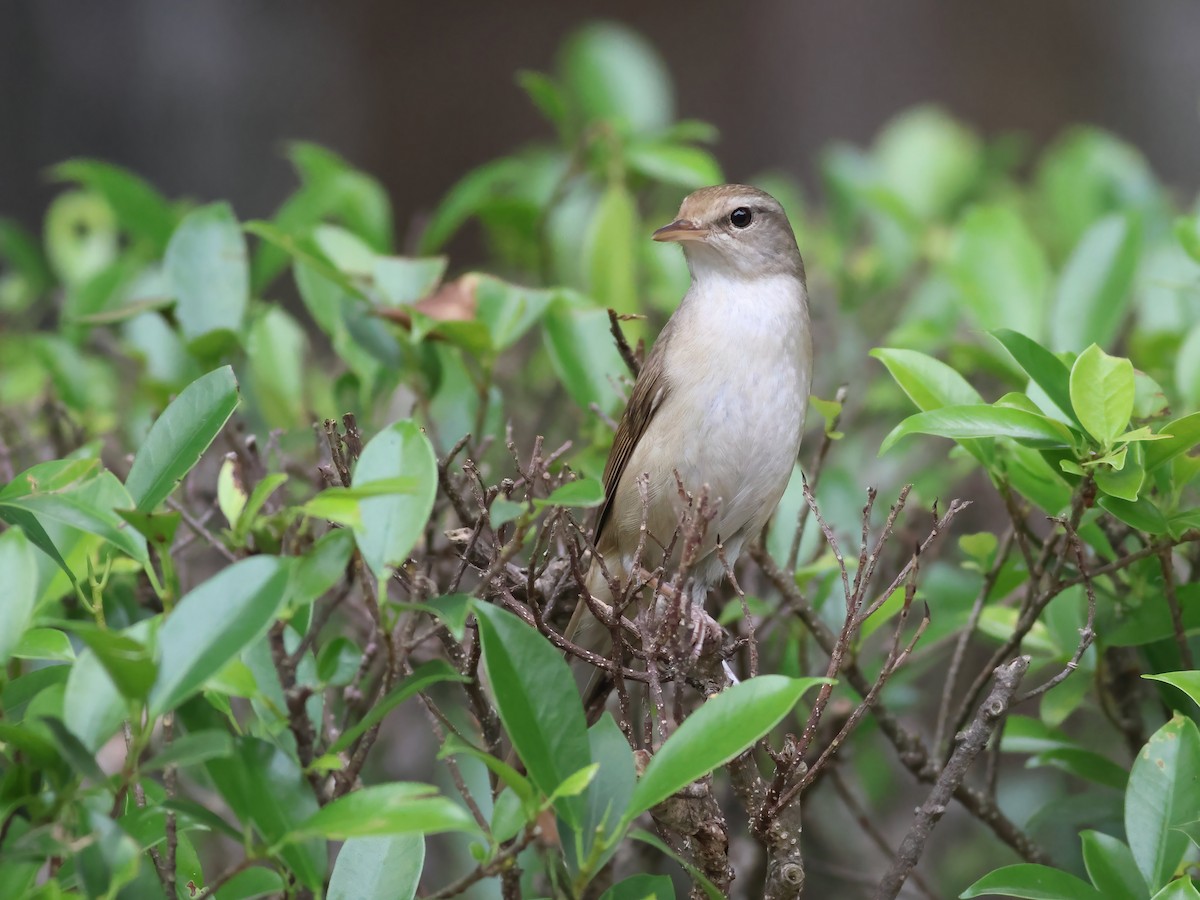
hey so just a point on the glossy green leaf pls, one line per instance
(1188, 682)
(338, 661)
(1111, 868)
(1179, 889)
(206, 266)
(1033, 881)
(323, 566)
(180, 435)
(514, 781)
(1164, 791)
(537, 701)
(386, 809)
(1102, 391)
(1000, 270)
(378, 868)
(1044, 369)
(1184, 437)
(1094, 288)
(19, 565)
(392, 524)
(928, 382)
(426, 674)
(1141, 513)
(612, 251)
(979, 421)
(213, 623)
(723, 727)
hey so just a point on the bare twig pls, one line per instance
(971, 742)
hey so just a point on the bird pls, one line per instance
(720, 402)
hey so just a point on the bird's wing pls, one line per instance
(646, 399)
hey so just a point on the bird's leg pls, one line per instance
(704, 635)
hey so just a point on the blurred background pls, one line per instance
(198, 98)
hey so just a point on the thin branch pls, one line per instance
(971, 742)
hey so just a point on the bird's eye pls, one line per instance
(740, 217)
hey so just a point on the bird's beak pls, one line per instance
(681, 230)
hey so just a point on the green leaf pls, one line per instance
(44, 643)
(213, 623)
(385, 809)
(1094, 288)
(928, 382)
(205, 264)
(723, 727)
(641, 887)
(1000, 270)
(1141, 513)
(180, 436)
(467, 197)
(1102, 391)
(1179, 889)
(338, 661)
(1111, 867)
(401, 280)
(1164, 791)
(547, 96)
(423, 676)
(583, 354)
(19, 565)
(612, 73)
(612, 251)
(698, 877)
(343, 505)
(1184, 436)
(265, 787)
(1187, 368)
(1124, 483)
(980, 421)
(515, 781)
(1188, 682)
(1083, 764)
(1187, 232)
(537, 701)
(140, 209)
(576, 784)
(277, 356)
(1045, 369)
(191, 749)
(582, 493)
(609, 794)
(928, 160)
(378, 868)
(1033, 881)
(88, 507)
(392, 524)
(323, 566)
(670, 163)
(125, 658)
(508, 310)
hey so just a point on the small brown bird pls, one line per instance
(721, 398)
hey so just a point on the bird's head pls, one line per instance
(734, 230)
